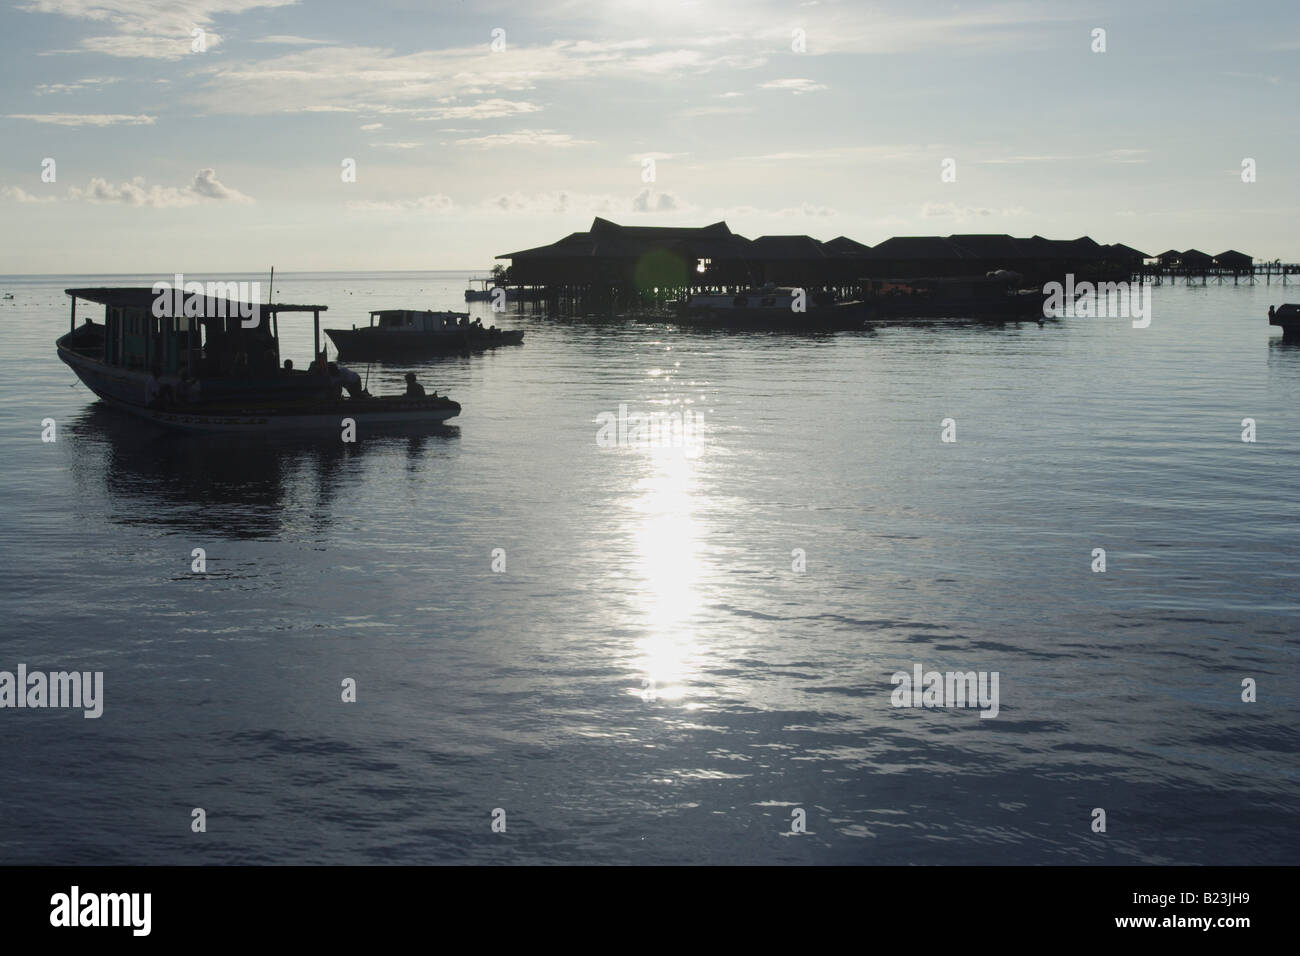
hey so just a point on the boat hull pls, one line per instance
(363, 343)
(1287, 318)
(123, 390)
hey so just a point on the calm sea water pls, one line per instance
(649, 680)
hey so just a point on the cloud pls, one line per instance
(565, 202)
(486, 109)
(883, 152)
(382, 80)
(647, 200)
(804, 210)
(525, 137)
(950, 210)
(292, 41)
(1127, 156)
(717, 110)
(797, 86)
(18, 194)
(151, 29)
(77, 85)
(401, 145)
(86, 119)
(435, 203)
(372, 126)
(1020, 160)
(203, 187)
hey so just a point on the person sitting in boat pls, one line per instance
(288, 366)
(413, 388)
(151, 387)
(342, 378)
(189, 389)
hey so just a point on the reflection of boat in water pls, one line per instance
(408, 332)
(216, 367)
(1287, 318)
(222, 483)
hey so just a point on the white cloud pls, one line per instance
(86, 119)
(565, 202)
(950, 210)
(1020, 160)
(77, 85)
(399, 145)
(292, 41)
(435, 203)
(717, 110)
(203, 187)
(152, 29)
(486, 109)
(381, 80)
(796, 85)
(524, 137)
(648, 200)
(18, 194)
(372, 126)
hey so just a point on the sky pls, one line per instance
(216, 135)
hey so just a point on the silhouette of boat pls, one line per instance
(208, 371)
(769, 307)
(487, 292)
(990, 298)
(1287, 318)
(407, 332)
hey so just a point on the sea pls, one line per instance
(552, 634)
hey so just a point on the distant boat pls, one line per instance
(207, 372)
(1286, 317)
(399, 332)
(989, 298)
(487, 292)
(769, 307)
(9, 295)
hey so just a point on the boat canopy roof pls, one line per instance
(415, 312)
(143, 298)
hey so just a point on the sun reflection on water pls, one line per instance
(667, 539)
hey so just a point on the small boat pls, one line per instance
(778, 308)
(487, 292)
(1286, 317)
(993, 297)
(204, 370)
(397, 332)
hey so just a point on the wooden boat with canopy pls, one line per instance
(216, 367)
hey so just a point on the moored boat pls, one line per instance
(216, 367)
(1287, 318)
(769, 307)
(990, 298)
(395, 332)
